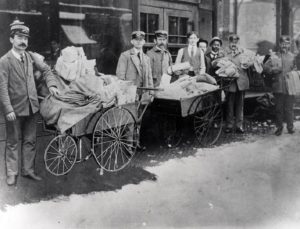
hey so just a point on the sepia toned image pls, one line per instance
(149, 114)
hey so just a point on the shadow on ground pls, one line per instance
(85, 176)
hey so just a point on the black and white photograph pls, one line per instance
(151, 114)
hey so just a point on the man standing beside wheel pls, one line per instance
(134, 65)
(160, 57)
(236, 90)
(19, 101)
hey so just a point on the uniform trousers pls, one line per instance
(235, 107)
(25, 128)
(284, 105)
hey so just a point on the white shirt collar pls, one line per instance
(17, 55)
(191, 46)
(137, 51)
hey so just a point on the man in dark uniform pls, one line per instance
(215, 53)
(236, 91)
(19, 101)
(284, 103)
(160, 57)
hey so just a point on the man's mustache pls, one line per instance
(23, 45)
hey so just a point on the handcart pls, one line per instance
(114, 135)
(205, 111)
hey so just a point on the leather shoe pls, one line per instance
(32, 176)
(228, 130)
(291, 131)
(11, 180)
(278, 132)
(240, 130)
(141, 148)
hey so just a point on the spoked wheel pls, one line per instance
(171, 131)
(60, 155)
(115, 139)
(208, 121)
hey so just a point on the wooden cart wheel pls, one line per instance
(209, 120)
(115, 139)
(171, 131)
(60, 155)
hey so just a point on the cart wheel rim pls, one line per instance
(115, 139)
(60, 155)
(208, 121)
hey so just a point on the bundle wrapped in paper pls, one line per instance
(273, 65)
(206, 78)
(226, 68)
(258, 63)
(247, 59)
(73, 63)
(179, 67)
(185, 87)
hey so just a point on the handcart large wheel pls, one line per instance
(171, 130)
(209, 120)
(60, 155)
(115, 139)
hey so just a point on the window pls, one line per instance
(149, 24)
(178, 27)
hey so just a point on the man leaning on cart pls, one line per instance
(134, 65)
(19, 101)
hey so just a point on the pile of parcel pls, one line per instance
(186, 86)
(83, 91)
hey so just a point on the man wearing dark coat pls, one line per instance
(215, 53)
(283, 102)
(236, 91)
(19, 101)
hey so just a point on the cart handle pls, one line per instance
(150, 89)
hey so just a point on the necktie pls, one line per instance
(22, 59)
(192, 52)
(139, 56)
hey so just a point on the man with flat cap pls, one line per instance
(236, 91)
(215, 53)
(160, 57)
(19, 102)
(134, 65)
(284, 102)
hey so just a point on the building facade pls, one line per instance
(103, 27)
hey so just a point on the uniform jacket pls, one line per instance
(160, 60)
(197, 61)
(288, 64)
(209, 59)
(130, 68)
(17, 84)
(242, 83)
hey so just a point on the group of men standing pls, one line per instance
(158, 59)
(19, 100)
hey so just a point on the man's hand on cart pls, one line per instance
(11, 116)
(53, 91)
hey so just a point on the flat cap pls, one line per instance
(285, 38)
(18, 27)
(215, 39)
(233, 37)
(161, 33)
(138, 35)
